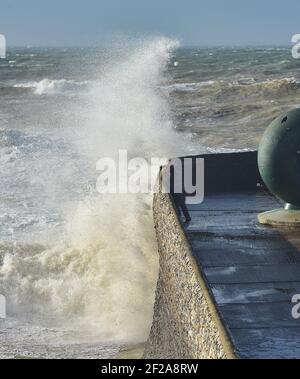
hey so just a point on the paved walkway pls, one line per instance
(252, 271)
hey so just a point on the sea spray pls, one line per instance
(127, 108)
(100, 277)
(49, 146)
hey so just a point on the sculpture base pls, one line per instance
(281, 217)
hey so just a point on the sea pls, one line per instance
(78, 268)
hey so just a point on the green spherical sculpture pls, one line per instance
(279, 158)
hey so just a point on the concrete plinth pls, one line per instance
(281, 217)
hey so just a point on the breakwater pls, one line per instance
(186, 322)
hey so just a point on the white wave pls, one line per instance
(93, 281)
(51, 87)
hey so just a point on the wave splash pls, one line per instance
(101, 276)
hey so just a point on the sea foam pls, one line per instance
(101, 275)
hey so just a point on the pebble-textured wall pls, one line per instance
(185, 323)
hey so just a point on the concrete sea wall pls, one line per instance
(186, 323)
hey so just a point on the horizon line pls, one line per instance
(181, 46)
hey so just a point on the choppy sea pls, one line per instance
(78, 269)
